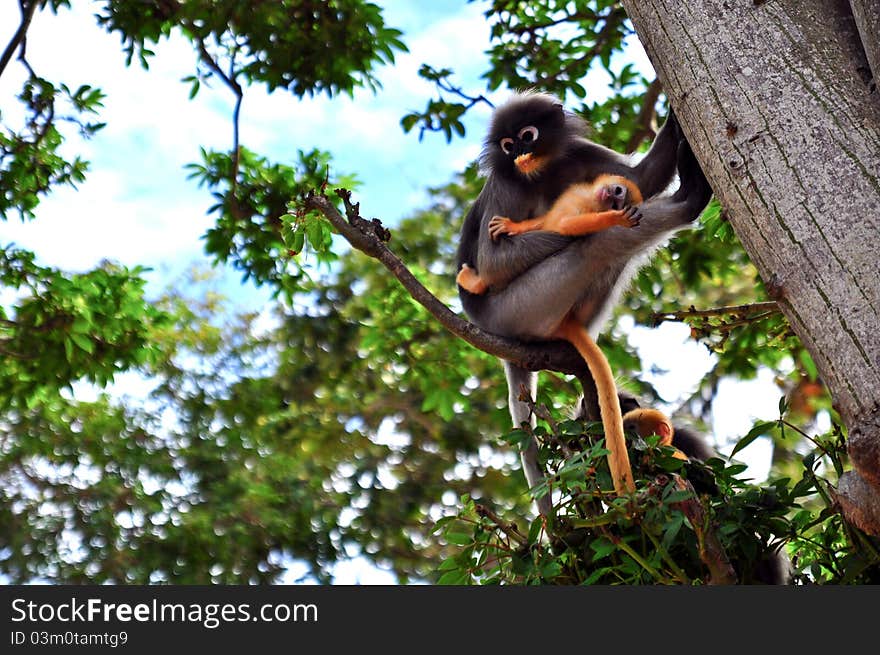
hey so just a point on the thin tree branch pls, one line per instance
(765, 309)
(370, 237)
(646, 125)
(456, 90)
(27, 13)
(508, 529)
(230, 81)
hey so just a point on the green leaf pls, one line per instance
(83, 342)
(602, 548)
(459, 538)
(453, 578)
(758, 430)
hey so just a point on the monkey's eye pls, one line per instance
(619, 190)
(506, 145)
(528, 134)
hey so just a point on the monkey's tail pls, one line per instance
(609, 404)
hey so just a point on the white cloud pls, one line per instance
(105, 220)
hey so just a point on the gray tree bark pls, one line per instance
(867, 16)
(774, 99)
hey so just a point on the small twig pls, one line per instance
(680, 575)
(531, 29)
(646, 126)
(641, 561)
(15, 355)
(806, 436)
(767, 308)
(455, 90)
(508, 529)
(230, 81)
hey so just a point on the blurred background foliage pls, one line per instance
(351, 423)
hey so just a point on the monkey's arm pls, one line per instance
(653, 172)
(572, 225)
(661, 215)
(498, 262)
(656, 169)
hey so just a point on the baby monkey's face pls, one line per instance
(612, 196)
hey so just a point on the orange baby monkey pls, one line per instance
(584, 208)
(646, 421)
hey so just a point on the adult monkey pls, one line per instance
(540, 281)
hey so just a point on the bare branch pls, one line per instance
(27, 13)
(230, 81)
(756, 310)
(646, 124)
(370, 237)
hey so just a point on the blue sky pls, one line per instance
(137, 207)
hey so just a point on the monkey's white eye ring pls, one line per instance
(506, 144)
(528, 134)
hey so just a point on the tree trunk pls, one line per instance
(776, 103)
(867, 17)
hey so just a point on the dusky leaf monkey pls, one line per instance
(581, 209)
(543, 285)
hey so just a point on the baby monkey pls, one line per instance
(645, 422)
(584, 208)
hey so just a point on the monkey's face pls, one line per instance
(527, 133)
(615, 192)
(612, 196)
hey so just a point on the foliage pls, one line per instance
(252, 198)
(31, 162)
(256, 37)
(343, 421)
(648, 537)
(66, 328)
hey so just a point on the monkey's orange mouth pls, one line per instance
(528, 164)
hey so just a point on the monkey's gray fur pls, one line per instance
(538, 278)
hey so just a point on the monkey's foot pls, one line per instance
(469, 280)
(499, 225)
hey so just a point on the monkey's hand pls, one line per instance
(499, 225)
(629, 216)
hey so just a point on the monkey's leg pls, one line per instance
(609, 405)
(469, 280)
(517, 379)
